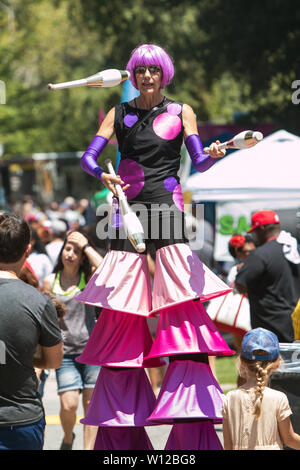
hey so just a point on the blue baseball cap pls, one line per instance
(260, 338)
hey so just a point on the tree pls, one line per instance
(40, 44)
(258, 43)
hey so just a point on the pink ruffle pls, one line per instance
(189, 391)
(121, 397)
(193, 436)
(180, 276)
(187, 328)
(119, 340)
(122, 439)
(121, 282)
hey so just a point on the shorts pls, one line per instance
(23, 437)
(75, 376)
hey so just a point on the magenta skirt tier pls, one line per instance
(189, 392)
(119, 340)
(181, 276)
(121, 397)
(193, 436)
(121, 282)
(187, 328)
(122, 439)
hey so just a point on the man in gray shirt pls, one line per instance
(27, 318)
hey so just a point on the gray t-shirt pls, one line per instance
(79, 320)
(27, 318)
(76, 325)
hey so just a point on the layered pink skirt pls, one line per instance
(190, 398)
(122, 281)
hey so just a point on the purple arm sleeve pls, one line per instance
(201, 161)
(88, 161)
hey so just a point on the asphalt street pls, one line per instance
(54, 433)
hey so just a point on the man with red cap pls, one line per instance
(267, 278)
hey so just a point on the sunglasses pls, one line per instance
(153, 69)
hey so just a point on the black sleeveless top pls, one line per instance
(150, 143)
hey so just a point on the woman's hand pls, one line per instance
(80, 240)
(77, 239)
(214, 152)
(109, 182)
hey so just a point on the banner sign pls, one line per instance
(235, 218)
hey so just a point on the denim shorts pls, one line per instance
(75, 376)
(24, 437)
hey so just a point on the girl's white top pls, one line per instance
(248, 433)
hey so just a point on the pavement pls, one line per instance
(54, 433)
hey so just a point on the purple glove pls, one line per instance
(88, 161)
(201, 161)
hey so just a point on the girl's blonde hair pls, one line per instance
(262, 371)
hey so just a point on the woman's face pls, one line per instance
(71, 256)
(148, 78)
(245, 250)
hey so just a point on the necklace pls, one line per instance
(153, 107)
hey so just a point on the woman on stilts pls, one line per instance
(150, 131)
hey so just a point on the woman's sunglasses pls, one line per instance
(141, 69)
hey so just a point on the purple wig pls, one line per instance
(150, 54)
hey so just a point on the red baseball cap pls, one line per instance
(237, 240)
(263, 218)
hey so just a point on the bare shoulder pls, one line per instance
(48, 281)
(189, 120)
(107, 127)
(187, 109)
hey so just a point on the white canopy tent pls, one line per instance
(266, 176)
(271, 169)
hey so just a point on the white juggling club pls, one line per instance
(243, 140)
(106, 79)
(133, 227)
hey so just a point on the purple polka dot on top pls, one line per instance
(170, 183)
(130, 119)
(131, 173)
(174, 109)
(167, 126)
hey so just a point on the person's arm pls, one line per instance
(50, 341)
(241, 289)
(50, 357)
(82, 242)
(225, 423)
(288, 436)
(201, 161)
(88, 161)
(48, 282)
(250, 274)
(226, 435)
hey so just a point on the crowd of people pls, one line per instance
(60, 259)
(59, 263)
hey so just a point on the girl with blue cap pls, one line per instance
(256, 417)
